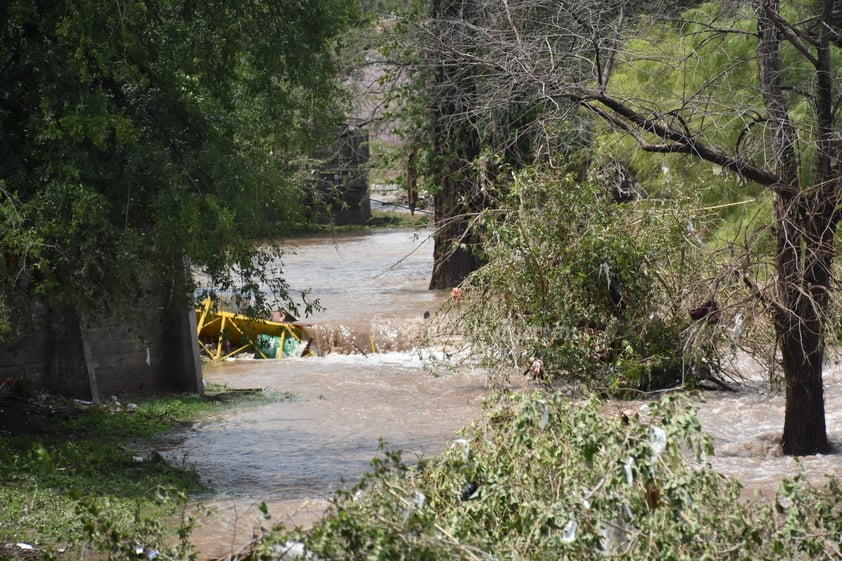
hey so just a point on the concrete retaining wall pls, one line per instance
(154, 352)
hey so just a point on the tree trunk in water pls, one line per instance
(453, 254)
(803, 264)
(456, 142)
(805, 227)
(804, 424)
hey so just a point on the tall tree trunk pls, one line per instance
(799, 325)
(805, 226)
(455, 141)
(90, 365)
(454, 256)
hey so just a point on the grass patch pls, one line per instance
(391, 219)
(380, 220)
(71, 475)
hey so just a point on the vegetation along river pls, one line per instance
(334, 409)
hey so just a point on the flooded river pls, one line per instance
(332, 411)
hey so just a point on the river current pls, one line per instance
(331, 412)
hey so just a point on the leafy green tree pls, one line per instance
(464, 127)
(597, 291)
(137, 134)
(442, 140)
(462, 132)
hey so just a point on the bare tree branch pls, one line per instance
(637, 125)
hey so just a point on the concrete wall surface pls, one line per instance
(151, 351)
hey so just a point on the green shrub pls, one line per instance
(543, 477)
(598, 291)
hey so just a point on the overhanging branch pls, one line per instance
(638, 126)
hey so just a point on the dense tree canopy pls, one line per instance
(137, 133)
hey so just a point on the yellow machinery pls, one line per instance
(225, 334)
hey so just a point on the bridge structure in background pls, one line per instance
(339, 191)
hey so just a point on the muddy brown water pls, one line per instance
(333, 410)
(747, 426)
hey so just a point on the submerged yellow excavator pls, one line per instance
(225, 334)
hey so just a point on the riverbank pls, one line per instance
(316, 437)
(77, 479)
(49, 447)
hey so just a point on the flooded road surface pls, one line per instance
(331, 411)
(372, 286)
(365, 275)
